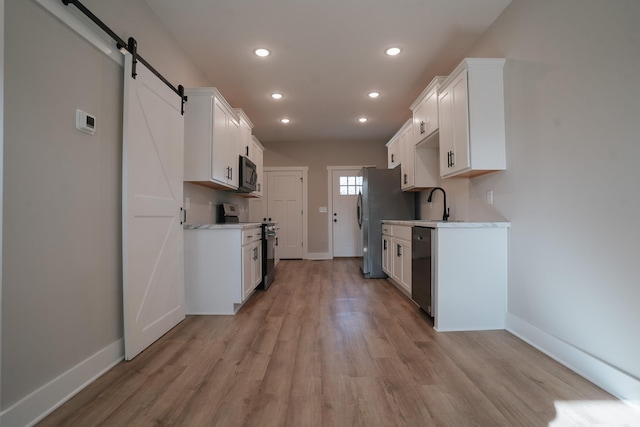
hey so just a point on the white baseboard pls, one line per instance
(602, 374)
(50, 396)
(317, 255)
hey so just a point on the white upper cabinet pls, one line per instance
(212, 133)
(472, 126)
(257, 156)
(394, 151)
(405, 140)
(425, 111)
(244, 137)
(419, 167)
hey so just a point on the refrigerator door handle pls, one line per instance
(359, 210)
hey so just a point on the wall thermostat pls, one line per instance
(85, 122)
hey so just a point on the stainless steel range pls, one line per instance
(269, 247)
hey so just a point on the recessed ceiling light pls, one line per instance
(393, 51)
(285, 121)
(262, 52)
(276, 95)
(374, 94)
(362, 119)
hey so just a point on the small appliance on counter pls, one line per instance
(229, 214)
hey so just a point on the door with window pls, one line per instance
(346, 185)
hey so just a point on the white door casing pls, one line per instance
(346, 233)
(152, 241)
(284, 205)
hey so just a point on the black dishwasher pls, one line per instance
(421, 271)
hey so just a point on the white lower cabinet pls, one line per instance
(386, 254)
(470, 278)
(396, 255)
(223, 266)
(469, 265)
(251, 260)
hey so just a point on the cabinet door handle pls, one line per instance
(384, 245)
(399, 251)
(422, 130)
(247, 151)
(406, 178)
(392, 158)
(453, 159)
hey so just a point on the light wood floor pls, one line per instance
(324, 347)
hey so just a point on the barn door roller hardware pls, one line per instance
(131, 46)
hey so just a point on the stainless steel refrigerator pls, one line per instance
(381, 198)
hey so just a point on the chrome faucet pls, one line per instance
(445, 213)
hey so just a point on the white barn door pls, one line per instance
(152, 245)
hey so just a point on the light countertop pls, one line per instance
(241, 225)
(449, 224)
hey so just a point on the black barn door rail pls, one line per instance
(131, 46)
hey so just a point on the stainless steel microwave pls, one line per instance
(248, 175)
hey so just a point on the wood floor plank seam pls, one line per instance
(326, 347)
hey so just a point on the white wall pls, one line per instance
(571, 189)
(61, 247)
(61, 282)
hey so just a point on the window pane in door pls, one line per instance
(350, 185)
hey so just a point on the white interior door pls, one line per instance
(152, 245)
(285, 207)
(345, 187)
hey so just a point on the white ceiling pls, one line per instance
(326, 56)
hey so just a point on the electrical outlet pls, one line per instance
(490, 197)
